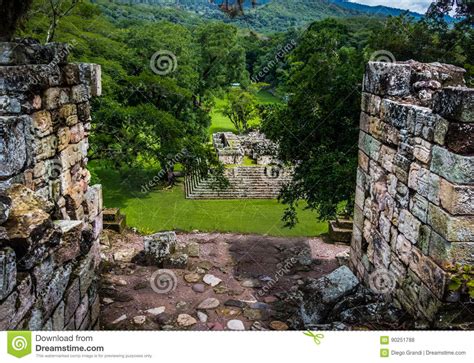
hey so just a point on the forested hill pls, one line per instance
(374, 10)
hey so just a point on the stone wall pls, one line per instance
(414, 213)
(50, 218)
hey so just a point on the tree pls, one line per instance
(58, 9)
(463, 8)
(317, 131)
(11, 11)
(240, 108)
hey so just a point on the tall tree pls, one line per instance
(317, 131)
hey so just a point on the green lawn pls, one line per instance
(161, 210)
(168, 209)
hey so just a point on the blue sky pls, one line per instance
(419, 6)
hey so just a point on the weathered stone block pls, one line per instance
(424, 182)
(391, 79)
(159, 246)
(69, 247)
(456, 199)
(42, 123)
(453, 228)
(369, 145)
(455, 104)
(9, 105)
(55, 290)
(386, 158)
(363, 161)
(80, 93)
(409, 226)
(45, 148)
(419, 207)
(422, 150)
(81, 311)
(72, 299)
(91, 74)
(403, 249)
(429, 272)
(13, 147)
(56, 97)
(440, 131)
(457, 169)
(58, 318)
(371, 104)
(7, 272)
(7, 311)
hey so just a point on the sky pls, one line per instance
(420, 6)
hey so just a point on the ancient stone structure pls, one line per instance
(263, 180)
(414, 213)
(50, 218)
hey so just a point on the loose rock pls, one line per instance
(209, 303)
(235, 325)
(185, 320)
(211, 280)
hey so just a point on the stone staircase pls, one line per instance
(114, 220)
(246, 182)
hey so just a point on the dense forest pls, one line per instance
(147, 117)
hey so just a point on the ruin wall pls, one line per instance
(414, 205)
(50, 217)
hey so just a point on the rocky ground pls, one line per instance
(231, 282)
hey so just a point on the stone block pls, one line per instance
(452, 228)
(58, 318)
(363, 161)
(455, 103)
(69, 247)
(55, 290)
(13, 145)
(93, 200)
(77, 133)
(428, 303)
(80, 93)
(64, 138)
(7, 271)
(403, 249)
(91, 74)
(424, 182)
(42, 123)
(419, 207)
(72, 299)
(9, 105)
(70, 74)
(7, 311)
(455, 168)
(422, 150)
(456, 199)
(462, 253)
(386, 157)
(43, 273)
(429, 272)
(82, 311)
(409, 226)
(45, 148)
(369, 145)
(391, 79)
(439, 249)
(440, 131)
(371, 104)
(159, 246)
(56, 97)
(25, 298)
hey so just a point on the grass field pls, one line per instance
(161, 210)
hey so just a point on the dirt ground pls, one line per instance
(255, 273)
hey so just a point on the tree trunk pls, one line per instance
(11, 11)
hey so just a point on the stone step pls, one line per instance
(338, 234)
(118, 225)
(111, 214)
(344, 223)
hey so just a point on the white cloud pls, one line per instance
(419, 6)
